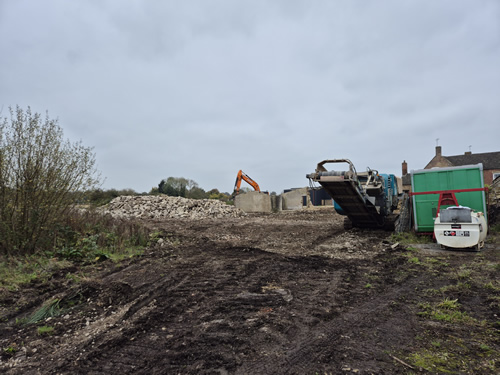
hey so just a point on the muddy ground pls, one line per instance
(287, 293)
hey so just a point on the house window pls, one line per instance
(495, 175)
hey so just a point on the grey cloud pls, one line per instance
(202, 89)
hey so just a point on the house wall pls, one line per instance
(488, 175)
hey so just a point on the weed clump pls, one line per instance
(408, 238)
(49, 310)
(45, 330)
(92, 236)
(446, 311)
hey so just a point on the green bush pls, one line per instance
(99, 197)
(88, 235)
(41, 177)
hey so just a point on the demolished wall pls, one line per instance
(253, 201)
(294, 199)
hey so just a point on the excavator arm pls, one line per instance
(243, 176)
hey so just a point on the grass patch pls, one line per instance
(445, 311)
(55, 307)
(415, 256)
(461, 287)
(436, 343)
(11, 349)
(17, 271)
(485, 348)
(45, 330)
(449, 304)
(458, 287)
(491, 286)
(494, 301)
(13, 274)
(126, 253)
(49, 310)
(408, 238)
(435, 361)
(87, 237)
(414, 260)
(464, 274)
(451, 316)
(454, 355)
(118, 256)
(437, 262)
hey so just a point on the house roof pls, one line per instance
(490, 160)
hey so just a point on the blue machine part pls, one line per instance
(338, 208)
(391, 193)
(386, 201)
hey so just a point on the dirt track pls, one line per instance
(289, 293)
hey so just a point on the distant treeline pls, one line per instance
(171, 186)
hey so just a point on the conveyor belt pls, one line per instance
(346, 194)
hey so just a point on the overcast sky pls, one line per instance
(200, 89)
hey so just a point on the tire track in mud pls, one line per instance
(223, 304)
(328, 345)
(170, 304)
(327, 237)
(274, 295)
(209, 308)
(336, 344)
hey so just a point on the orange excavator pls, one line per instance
(243, 176)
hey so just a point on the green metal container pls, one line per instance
(450, 179)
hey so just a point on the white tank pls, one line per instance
(460, 227)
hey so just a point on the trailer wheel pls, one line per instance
(479, 246)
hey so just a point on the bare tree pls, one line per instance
(41, 176)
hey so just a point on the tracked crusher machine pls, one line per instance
(367, 199)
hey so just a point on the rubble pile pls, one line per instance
(159, 207)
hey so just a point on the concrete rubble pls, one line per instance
(162, 206)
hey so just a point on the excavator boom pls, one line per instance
(243, 176)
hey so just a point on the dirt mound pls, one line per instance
(160, 207)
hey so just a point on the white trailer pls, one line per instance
(460, 227)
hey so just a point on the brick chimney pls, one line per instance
(468, 153)
(404, 168)
(438, 150)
